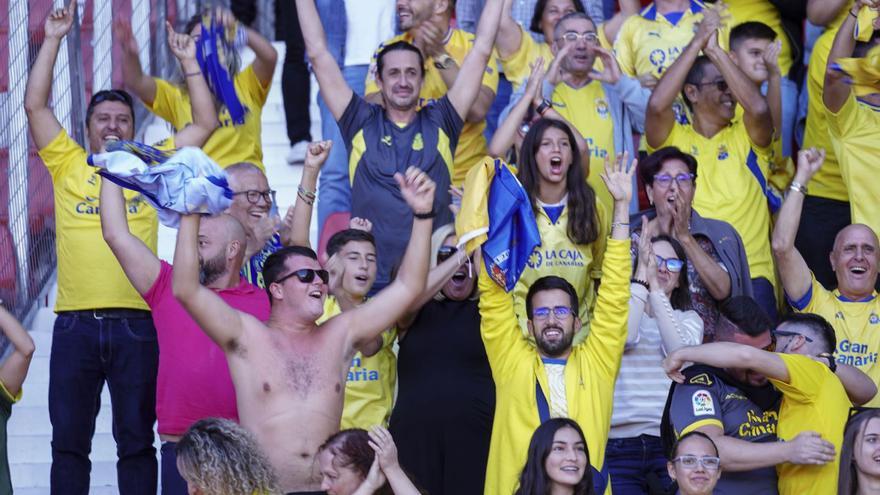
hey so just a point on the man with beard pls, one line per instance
(734, 154)
(193, 381)
(738, 408)
(557, 379)
(382, 141)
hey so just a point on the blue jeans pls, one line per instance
(86, 352)
(172, 482)
(765, 296)
(334, 188)
(637, 465)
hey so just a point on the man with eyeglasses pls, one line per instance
(289, 372)
(734, 154)
(103, 332)
(816, 394)
(603, 106)
(553, 378)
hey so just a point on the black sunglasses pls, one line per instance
(306, 276)
(445, 252)
(720, 84)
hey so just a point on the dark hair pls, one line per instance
(651, 165)
(398, 46)
(340, 239)
(551, 282)
(274, 264)
(747, 315)
(862, 47)
(571, 15)
(534, 480)
(119, 95)
(194, 21)
(540, 5)
(695, 77)
(583, 224)
(817, 326)
(752, 30)
(847, 479)
(681, 295)
(673, 453)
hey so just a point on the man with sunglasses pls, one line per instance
(103, 332)
(734, 154)
(816, 395)
(289, 373)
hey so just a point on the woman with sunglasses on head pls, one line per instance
(660, 321)
(717, 267)
(859, 468)
(695, 464)
(446, 397)
(558, 461)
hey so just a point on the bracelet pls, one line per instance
(425, 216)
(543, 107)
(193, 74)
(303, 192)
(639, 282)
(797, 186)
(619, 224)
(306, 200)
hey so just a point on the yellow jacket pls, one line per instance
(589, 373)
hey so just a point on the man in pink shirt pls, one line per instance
(193, 380)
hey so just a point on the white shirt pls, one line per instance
(369, 22)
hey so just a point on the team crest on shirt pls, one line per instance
(701, 379)
(602, 107)
(535, 259)
(839, 316)
(874, 319)
(703, 404)
(418, 144)
(386, 140)
(722, 152)
(694, 150)
(657, 57)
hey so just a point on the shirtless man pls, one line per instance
(289, 373)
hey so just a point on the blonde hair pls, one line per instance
(219, 457)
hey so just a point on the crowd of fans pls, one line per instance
(699, 317)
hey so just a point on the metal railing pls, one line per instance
(89, 60)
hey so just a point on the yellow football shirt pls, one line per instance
(471, 143)
(579, 264)
(855, 136)
(763, 11)
(587, 109)
(827, 183)
(89, 276)
(856, 324)
(229, 144)
(369, 388)
(812, 400)
(727, 190)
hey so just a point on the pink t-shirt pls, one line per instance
(193, 381)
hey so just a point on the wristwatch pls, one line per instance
(543, 107)
(444, 62)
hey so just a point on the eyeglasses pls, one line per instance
(253, 196)
(590, 37)
(771, 347)
(665, 180)
(690, 461)
(720, 84)
(673, 265)
(445, 252)
(786, 333)
(542, 313)
(306, 275)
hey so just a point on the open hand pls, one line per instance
(809, 448)
(645, 247)
(610, 68)
(618, 179)
(555, 72)
(181, 44)
(536, 82)
(359, 223)
(60, 21)
(317, 155)
(124, 35)
(382, 442)
(672, 365)
(681, 218)
(771, 57)
(429, 39)
(417, 189)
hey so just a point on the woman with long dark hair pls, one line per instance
(660, 321)
(558, 461)
(859, 470)
(572, 223)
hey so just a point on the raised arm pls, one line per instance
(295, 231)
(726, 355)
(836, 89)
(204, 112)
(365, 322)
(756, 112)
(822, 12)
(437, 278)
(44, 126)
(335, 91)
(774, 84)
(218, 320)
(266, 55)
(793, 270)
(14, 370)
(505, 135)
(714, 277)
(142, 85)
(464, 91)
(139, 263)
(509, 33)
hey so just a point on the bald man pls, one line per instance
(193, 380)
(853, 308)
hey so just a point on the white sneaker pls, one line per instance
(297, 153)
